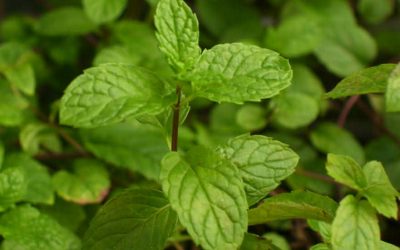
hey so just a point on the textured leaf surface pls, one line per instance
(135, 219)
(366, 81)
(255, 242)
(294, 110)
(392, 93)
(355, 226)
(111, 93)
(102, 11)
(207, 192)
(36, 177)
(13, 187)
(329, 138)
(131, 145)
(263, 163)
(346, 170)
(26, 228)
(379, 191)
(65, 21)
(297, 204)
(89, 183)
(238, 72)
(177, 33)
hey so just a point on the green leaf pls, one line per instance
(255, 242)
(1, 153)
(238, 72)
(177, 33)
(22, 76)
(33, 135)
(36, 177)
(329, 138)
(131, 145)
(386, 246)
(277, 240)
(135, 219)
(375, 11)
(346, 170)
(13, 187)
(89, 182)
(392, 93)
(297, 204)
(323, 228)
(104, 11)
(65, 21)
(251, 117)
(121, 92)
(355, 226)
(293, 110)
(207, 192)
(366, 81)
(379, 191)
(12, 107)
(320, 246)
(295, 36)
(262, 162)
(26, 228)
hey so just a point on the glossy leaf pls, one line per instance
(379, 191)
(238, 72)
(89, 183)
(208, 195)
(177, 33)
(366, 81)
(262, 162)
(355, 226)
(65, 21)
(26, 228)
(103, 11)
(112, 93)
(346, 170)
(392, 93)
(329, 138)
(297, 204)
(134, 219)
(131, 145)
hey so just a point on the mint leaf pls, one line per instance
(277, 240)
(251, 117)
(207, 192)
(375, 11)
(13, 187)
(35, 176)
(26, 228)
(1, 153)
(355, 226)
(293, 110)
(89, 183)
(320, 246)
(392, 95)
(238, 72)
(103, 11)
(33, 135)
(125, 145)
(22, 76)
(111, 93)
(64, 21)
(323, 228)
(366, 81)
(177, 33)
(134, 219)
(346, 170)
(379, 191)
(386, 246)
(12, 107)
(297, 204)
(255, 242)
(262, 162)
(330, 138)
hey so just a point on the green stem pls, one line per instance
(175, 121)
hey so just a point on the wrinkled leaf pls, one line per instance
(13, 187)
(346, 170)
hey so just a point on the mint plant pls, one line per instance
(142, 125)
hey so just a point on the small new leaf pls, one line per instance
(207, 192)
(297, 204)
(177, 33)
(135, 219)
(366, 81)
(262, 162)
(379, 191)
(355, 226)
(238, 72)
(111, 93)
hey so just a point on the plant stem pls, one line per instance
(175, 121)
(346, 110)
